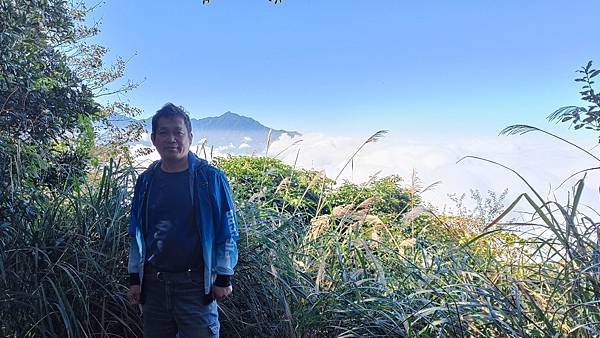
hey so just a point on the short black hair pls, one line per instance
(170, 110)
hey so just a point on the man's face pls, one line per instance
(172, 139)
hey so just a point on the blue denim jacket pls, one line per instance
(214, 214)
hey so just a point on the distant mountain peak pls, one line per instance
(230, 132)
(229, 120)
(230, 114)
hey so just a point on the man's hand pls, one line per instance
(219, 292)
(134, 294)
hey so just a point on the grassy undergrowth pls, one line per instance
(314, 262)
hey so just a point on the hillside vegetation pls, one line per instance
(314, 261)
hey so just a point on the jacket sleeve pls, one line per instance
(132, 265)
(135, 205)
(225, 223)
(134, 223)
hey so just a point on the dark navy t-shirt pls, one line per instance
(173, 240)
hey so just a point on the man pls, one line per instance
(183, 235)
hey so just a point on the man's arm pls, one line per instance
(135, 291)
(226, 233)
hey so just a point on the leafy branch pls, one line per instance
(582, 117)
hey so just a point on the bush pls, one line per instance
(63, 269)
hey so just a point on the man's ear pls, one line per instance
(191, 138)
(152, 137)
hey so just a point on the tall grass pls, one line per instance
(345, 272)
(349, 274)
(62, 273)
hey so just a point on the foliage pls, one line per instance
(87, 61)
(562, 242)
(350, 273)
(62, 240)
(50, 79)
(388, 200)
(485, 210)
(62, 272)
(43, 102)
(344, 273)
(583, 117)
(275, 185)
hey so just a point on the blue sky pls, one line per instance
(354, 67)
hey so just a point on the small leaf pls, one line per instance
(594, 73)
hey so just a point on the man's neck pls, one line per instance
(173, 167)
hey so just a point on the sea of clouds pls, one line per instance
(543, 161)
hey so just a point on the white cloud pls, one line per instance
(226, 149)
(543, 161)
(146, 138)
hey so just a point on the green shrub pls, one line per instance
(62, 271)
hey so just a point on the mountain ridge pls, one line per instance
(229, 132)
